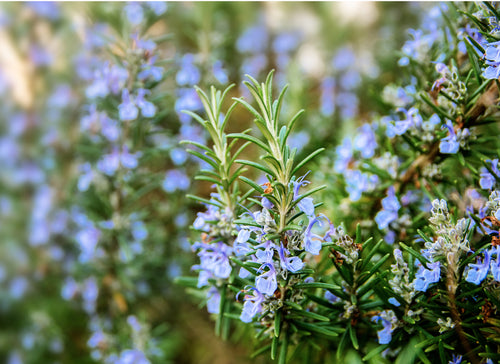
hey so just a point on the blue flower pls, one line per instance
(219, 72)
(411, 119)
(134, 12)
(214, 258)
(158, 7)
(306, 204)
(331, 297)
(492, 55)
(148, 69)
(388, 320)
(188, 75)
(266, 203)
(327, 104)
(394, 302)
(365, 141)
(132, 356)
(213, 300)
(476, 273)
(253, 40)
(265, 255)
(488, 180)
(425, 277)
(175, 180)
(389, 213)
(449, 144)
(127, 110)
(344, 155)
(495, 264)
(312, 242)
(456, 359)
(291, 264)
(252, 305)
(267, 283)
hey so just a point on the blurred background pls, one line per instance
(88, 255)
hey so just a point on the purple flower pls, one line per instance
(267, 282)
(449, 144)
(425, 277)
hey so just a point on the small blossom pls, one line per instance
(425, 277)
(213, 300)
(449, 144)
(476, 273)
(252, 305)
(267, 282)
(291, 264)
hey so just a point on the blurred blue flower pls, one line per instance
(219, 72)
(327, 100)
(134, 12)
(213, 300)
(188, 74)
(46, 9)
(175, 180)
(158, 7)
(344, 59)
(253, 40)
(331, 297)
(127, 109)
(449, 144)
(365, 141)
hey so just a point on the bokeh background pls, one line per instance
(88, 259)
